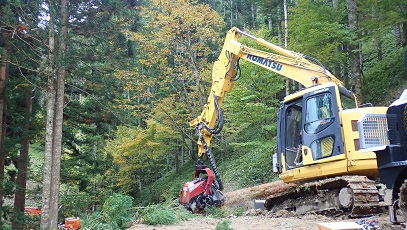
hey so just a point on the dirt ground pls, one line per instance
(262, 220)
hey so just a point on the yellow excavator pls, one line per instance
(318, 141)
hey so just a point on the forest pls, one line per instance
(96, 95)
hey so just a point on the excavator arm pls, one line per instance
(226, 70)
(196, 195)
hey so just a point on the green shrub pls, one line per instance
(237, 211)
(158, 214)
(165, 214)
(116, 213)
(215, 212)
(74, 202)
(224, 225)
(23, 221)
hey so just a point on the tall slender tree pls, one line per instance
(3, 75)
(354, 49)
(46, 222)
(22, 166)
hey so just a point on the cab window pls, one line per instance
(347, 101)
(323, 147)
(319, 114)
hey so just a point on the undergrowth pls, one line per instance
(224, 225)
(164, 214)
(170, 213)
(115, 213)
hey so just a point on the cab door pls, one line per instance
(289, 135)
(321, 131)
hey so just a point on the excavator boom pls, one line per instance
(226, 69)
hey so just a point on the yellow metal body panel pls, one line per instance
(351, 162)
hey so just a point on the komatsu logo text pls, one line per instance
(265, 62)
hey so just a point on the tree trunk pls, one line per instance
(192, 55)
(270, 25)
(285, 24)
(3, 74)
(397, 33)
(46, 210)
(192, 142)
(254, 15)
(404, 37)
(59, 112)
(236, 14)
(337, 68)
(19, 198)
(346, 76)
(231, 13)
(287, 81)
(177, 157)
(49, 129)
(354, 51)
(168, 162)
(279, 27)
(335, 4)
(183, 149)
(280, 41)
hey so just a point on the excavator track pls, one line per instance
(353, 195)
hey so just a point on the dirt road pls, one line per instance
(255, 219)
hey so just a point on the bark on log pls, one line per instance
(245, 197)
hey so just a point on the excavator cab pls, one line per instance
(309, 128)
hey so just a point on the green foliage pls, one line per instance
(171, 181)
(317, 29)
(74, 202)
(249, 159)
(224, 225)
(383, 79)
(238, 211)
(139, 154)
(157, 214)
(115, 213)
(214, 212)
(7, 226)
(24, 221)
(377, 17)
(164, 213)
(250, 167)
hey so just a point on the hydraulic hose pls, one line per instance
(219, 120)
(235, 64)
(314, 60)
(212, 162)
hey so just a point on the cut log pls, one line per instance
(245, 197)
